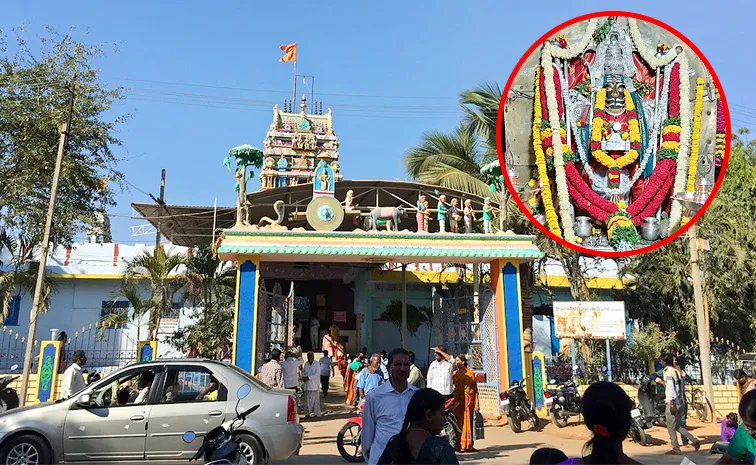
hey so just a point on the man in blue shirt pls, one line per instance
(371, 377)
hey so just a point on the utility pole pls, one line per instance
(701, 316)
(29, 352)
(161, 203)
(405, 343)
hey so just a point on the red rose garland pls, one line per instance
(648, 203)
(674, 91)
(653, 207)
(577, 181)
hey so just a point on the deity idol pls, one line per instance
(613, 129)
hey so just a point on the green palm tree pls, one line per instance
(481, 107)
(210, 282)
(161, 272)
(451, 160)
(22, 277)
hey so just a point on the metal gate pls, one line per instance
(275, 313)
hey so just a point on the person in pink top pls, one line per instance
(328, 343)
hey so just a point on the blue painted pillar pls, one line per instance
(245, 315)
(505, 277)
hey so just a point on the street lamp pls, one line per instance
(692, 202)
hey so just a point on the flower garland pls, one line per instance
(571, 52)
(655, 192)
(621, 231)
(697, 110)
(682, 157)
(654, 59)
(563, 196)
(585, 198)
(600, 130)
(670, 145)
(548, 204)
(721, 138)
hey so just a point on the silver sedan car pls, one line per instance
(139, 414)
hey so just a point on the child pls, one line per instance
(729, 426)
(547, 456)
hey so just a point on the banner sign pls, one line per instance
(590, 320)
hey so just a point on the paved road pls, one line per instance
(501, 444)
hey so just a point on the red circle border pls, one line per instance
(500, 149)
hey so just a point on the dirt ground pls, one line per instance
(501, 445)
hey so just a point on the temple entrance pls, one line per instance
(275, 314)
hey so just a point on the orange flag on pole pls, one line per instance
(290, 53)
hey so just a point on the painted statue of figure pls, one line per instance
(422, 205)
(487, 216)
(469, 215)
(441, 208)
(349, 201)
(454, 216)
(283, 167)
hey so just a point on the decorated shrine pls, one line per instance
(624, 120)
(297, 144)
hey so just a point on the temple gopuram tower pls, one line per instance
(296, 143)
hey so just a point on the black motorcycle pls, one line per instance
(651, 401)
(563, 402)
(451, 426)
(517, 407)
(638, 426)
(218, 445)
(8, 396)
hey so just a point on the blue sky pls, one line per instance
(204, 79)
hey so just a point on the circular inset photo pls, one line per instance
(613, 134)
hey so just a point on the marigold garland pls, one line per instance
(721, 138)
(600, 125)
(697, 111)
(681, 176)
(543, 176)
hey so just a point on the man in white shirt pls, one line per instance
(145, 383)
(326, 371)
(441, 373)
(290, 368)
(314, 332)
(73, 378)
(311, 378)
(416, 377)
(673, 393)
(385, 407)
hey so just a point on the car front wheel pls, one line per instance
(250, 449)
(25, 450)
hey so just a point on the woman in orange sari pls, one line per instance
(466, 396)
(351, 384)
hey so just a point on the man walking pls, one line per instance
(272, 372)
(371, 377)
(311, 378)
(441, 373)
(675, 402)
(385, 407)
(326, 371)
(290, 367)
(73, 378)
(416, 377)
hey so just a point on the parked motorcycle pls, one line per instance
(517, 407)
(8, 396)
(349, 439)
(563, 402)
(638, 426)
(218, 446)
(651, 402)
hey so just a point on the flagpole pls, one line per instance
(294, 98)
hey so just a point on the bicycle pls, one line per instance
(701, 405)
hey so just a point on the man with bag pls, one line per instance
(674, 403)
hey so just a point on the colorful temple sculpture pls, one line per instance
(615, 133)
(295, 146)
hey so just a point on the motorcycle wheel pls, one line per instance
(637, 433)
(534, 419)
(450, 434)
(250, 449)
(558, 418)
(514, 422)
(347, 437)
(8, 400)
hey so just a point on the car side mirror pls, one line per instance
(84, 400)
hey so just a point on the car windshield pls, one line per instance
(250, 377)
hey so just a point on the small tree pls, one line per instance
(416, 316)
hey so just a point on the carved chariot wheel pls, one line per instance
(325, 213)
